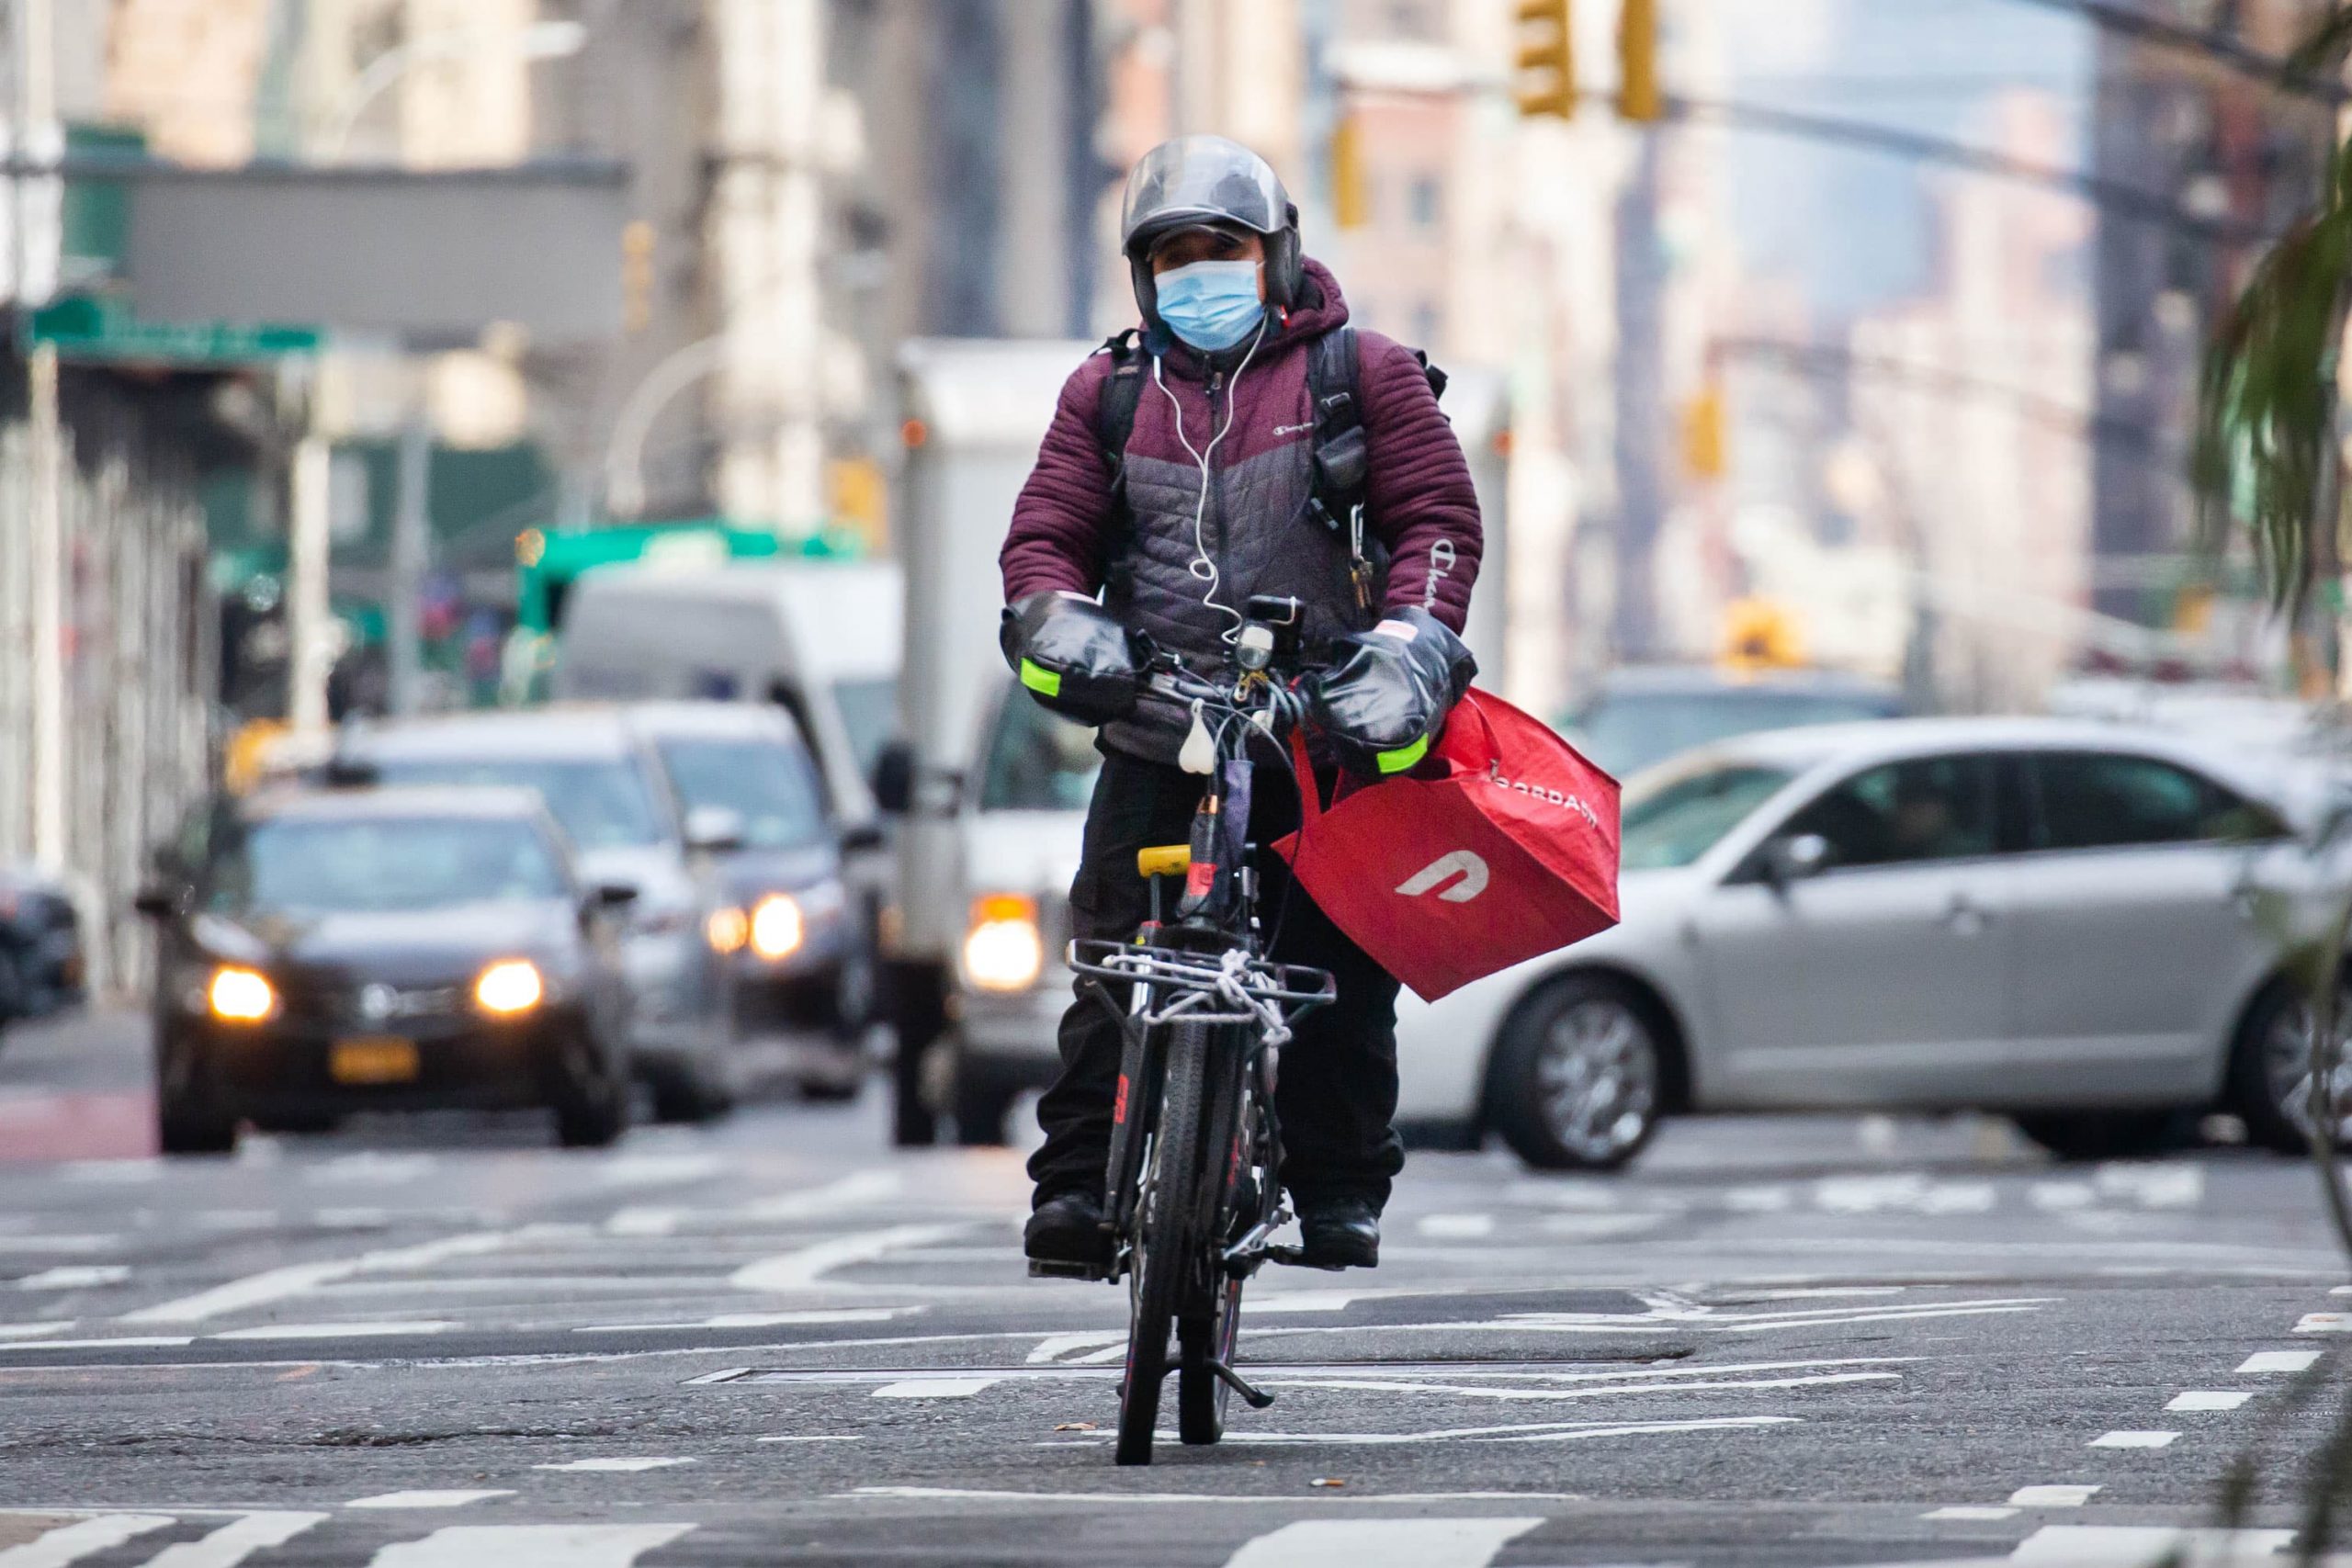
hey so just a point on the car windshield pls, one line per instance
(1036, 761)
(870, 710)
(772, 786)
(1627, 731)
(600, 801)
(379, 865)
(1672, 820)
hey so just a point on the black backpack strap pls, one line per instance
(1114, 423)
(1342, 457)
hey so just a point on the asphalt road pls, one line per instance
(1791, 1341)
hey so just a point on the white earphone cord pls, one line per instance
(1202, 566)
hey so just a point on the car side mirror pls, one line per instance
(156, 902)
(612, 894)
(714, 830)
(858, 836)
(1795, 859)
(894, 779)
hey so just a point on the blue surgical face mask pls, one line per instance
(1211, 305)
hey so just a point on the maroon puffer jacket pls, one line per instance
(1254, 527)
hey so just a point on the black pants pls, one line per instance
(1337, 1091)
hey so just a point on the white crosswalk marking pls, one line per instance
(933, 1388)
(805, 1268)
(235, 1542)
(1382, 1543)
(529, 1546)
(452, 1498)
(84, 1538)
(2147, 1546)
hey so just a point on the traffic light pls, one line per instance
(1760, 634)
(1638, 97)
(1547, 58)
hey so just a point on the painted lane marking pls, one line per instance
(450, 1498)
(2134, 1440)
(2208, 1399)
(370, 1167)
(2145, 1546)
(2279, 1361)
(2060, 1195)
(2325, 1322)
(1213, 1499)
(1757, 1200)
(641, 1220)
(35, 1330)
(236, 1541)
(1454, 1227)
(760, 1320)
(1819, 1293)
(529, 1546)
(123, 1342)
(2154, 1186)
(75, 1277)
(293, 1278)
(815, 1437)
(1053, 1347)
(59, 1243)
(618, 1466)
(1912, 1193)
(1374, 1385)
(1521, 1432)
(1382, 1543)
(660, 1170)
(934, 1388)
(858, 1189)
(2053, 1496)
(334, 1330)
(805, 1268)
(1970, 1513)
(84, 1538)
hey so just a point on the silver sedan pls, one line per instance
(2083, 926)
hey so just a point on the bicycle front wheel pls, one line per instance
(1171, 1239)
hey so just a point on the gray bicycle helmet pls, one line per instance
(1195, 181)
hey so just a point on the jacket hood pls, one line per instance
(1321, 308)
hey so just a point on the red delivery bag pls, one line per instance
(1498, 847)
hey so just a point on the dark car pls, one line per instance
(802, 949)
(1644, 714)
(41, 959)
(603, 785)
(386, 949)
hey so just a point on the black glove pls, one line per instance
(1384, 695)
(1073, 654)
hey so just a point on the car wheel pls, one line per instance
(593, 1116)
(689, 1092)
(983, 1106)
(2270, 1069)
(2108, 1134)
(1576, 1076)
(299, 1124)
(182, 1128)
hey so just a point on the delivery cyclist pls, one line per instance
(1212, 496)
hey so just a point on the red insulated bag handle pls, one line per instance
(1310, 798)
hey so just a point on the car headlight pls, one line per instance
(727, 930)
(777, 927)
(510, 986)
(240, 996)
(1004, 950)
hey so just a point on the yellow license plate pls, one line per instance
(372, 1061)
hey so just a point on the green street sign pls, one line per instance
(82, 327)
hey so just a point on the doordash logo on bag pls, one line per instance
(1495, 777)
(1445, 868)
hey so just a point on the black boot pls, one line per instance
(1068, 1228)
(1338, 1232)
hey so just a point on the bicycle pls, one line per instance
(1192, 1190)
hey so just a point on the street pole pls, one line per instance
(45, 552)
(309, 648)
(1641, 406)
(411, 544)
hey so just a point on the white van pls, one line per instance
(821, 638)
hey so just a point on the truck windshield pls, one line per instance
(1035, 762)
(773, 787)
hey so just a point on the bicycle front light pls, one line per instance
(1004, 950)
(777, 927)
